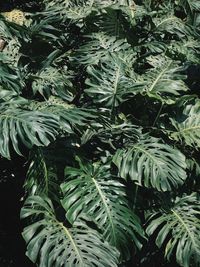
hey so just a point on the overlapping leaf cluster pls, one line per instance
(100, 94)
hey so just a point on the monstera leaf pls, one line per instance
(171, 23)
(41, 176)
(178, 230)
(152, 163)
(190, 5)
(187, 49)
(92, 190)
(99, 46)
(115, 83)
(51, 243)
(111, 84)
(25, 127)
(50, 79)
(188, 125)
(9, 78)
(69, 115)
(165, 80)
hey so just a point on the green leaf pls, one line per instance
(41, 176)
(70, 116)
(190, 6)
(92, 190)
(9, 78)
(51, 80)
(111, 84)
(151, 163)
(51, 243)
(165, 80)
(188, 50)
(178, 230)
(99, 47)
(171, 24)
(11, 53)
(187, 125)
(27, 127)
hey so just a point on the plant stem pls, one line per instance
(158, 115)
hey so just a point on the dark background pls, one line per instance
(12, 246)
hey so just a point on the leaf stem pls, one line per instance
(158, 114)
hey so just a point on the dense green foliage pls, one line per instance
(99, 98)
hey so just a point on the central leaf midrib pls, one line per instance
(45, 176)
(189, 128)
(165, 20)
(159, 76)
(106, 207)
(154, 159)
(16, 118)
(116, 80)
(115, 86)
(186, 228)
(73, 242)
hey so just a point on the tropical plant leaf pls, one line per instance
(190, 5)
(186, 50)
(11, 53)
(41, 177)
(110, 21)
(100, 80)
(4, 29)
(99, 47)
(151, 163)
(111, 84)
(171, 24)
(51, 80)
(51, 243)
(92, 190)
(6, 95)
(187, 125)
(178, 230)
(165, 80)
(70, 117)
(153, 47)
(9, 78)
(27, 127)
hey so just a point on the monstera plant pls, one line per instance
(101, 97)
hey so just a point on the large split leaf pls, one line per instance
(52, 80)
(165, 80)
(110, 84)
(152, 163)
(170, 23)
(25, 127)
(177, 229)
(92, 190)
(69, 115)
(51, 243)
(188, 125)
(99, 46)
(41, 176)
